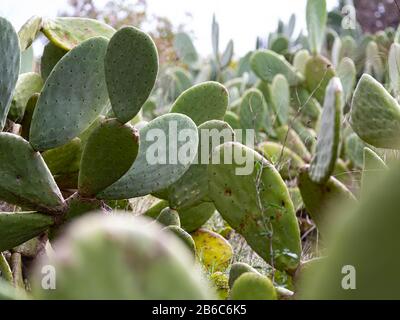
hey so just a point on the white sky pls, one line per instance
(241, 20)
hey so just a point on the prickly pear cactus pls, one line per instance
(266, 218)
(51, 55)
(155, 265)
(109, 152)
(24, 177)
(17, 228)
(143, 177)
(9, 67)
(377, 215)
(131, 66)
(67, 33)
(328, 141)
(73, 96)
(27, 85)
(29, 32)
(237, 269)
(213, 250)
(253, 286)
(203, 102)
(375, 114)
(169, 217)
(267, 64)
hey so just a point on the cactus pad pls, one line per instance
(29, 32)
(375, 114)
(131, 66)
(24, 177)
(237, 269)
(169, 217)
(51, 55)
(319, 72)
(213, 250)
(9, 67)
(73, 96)
(316, 17)
(253, 286)
(256, 205)
(267, 64)
(203, 102)
(281, 98)
(327, 148)
(193, 186)
(146, 262)
(144, 177)
(67, 33)
(64, 159)
(27, 85)
(320, 199)
(17, 228)
(109, 152)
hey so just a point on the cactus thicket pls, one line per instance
(205, 177)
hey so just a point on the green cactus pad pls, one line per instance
(307, 135)
(253, 110)
(316, 16)
(304, 102)
(109, 152)
(347, 73)
(68, 33)
(29, 32)
(64, 159)
(144, 177)
(191, 218)
(237, 269)
(184, 236)
(195, 217)
(256, 205)
(354, 150)
(321, 199)
(27, 85)
(253, 286)
(281, 98)
(327, 148)
(17, 228)
(319, 72)
(25, 179)
(394, 68)
(370, 265)
(374, 168)
(185, 49)
(266, 64)
(203, 102)
(285, 160)
(27, 119)
(374, 65)
(232, 119)
(146, 262)
(291, 139)
(9, 67)
(213, 250)
(131, 66)
(169, 217)
(300, 60)
(51, 55)
(193, 186)
(73, 96)
(280, 44)
(375, 114)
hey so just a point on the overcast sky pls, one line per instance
(241, 20)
